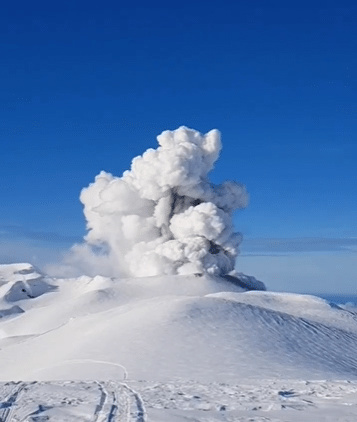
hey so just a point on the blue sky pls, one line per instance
(87, 86)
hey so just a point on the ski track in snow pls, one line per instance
(93, 401)
(108, 409)
(103, 400)
(250, 352)
(179, 401)
(141, 415)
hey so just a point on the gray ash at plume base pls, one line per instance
(163, 216)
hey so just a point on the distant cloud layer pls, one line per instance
(317, 265)
(21, 233)
(266, 246)
(320, 272)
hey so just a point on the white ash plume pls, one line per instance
(163, 216)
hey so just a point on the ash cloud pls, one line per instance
(163, 216)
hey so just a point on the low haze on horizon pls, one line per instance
(87, 88)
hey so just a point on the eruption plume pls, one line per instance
(163, 216)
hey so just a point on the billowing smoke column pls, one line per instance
(163, 216)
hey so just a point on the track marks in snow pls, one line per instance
(179, 401)
(98, 412)
(93, 401)
(108, 408)
(140, 412)
(9, 403)
(113, 410)
(37, 414)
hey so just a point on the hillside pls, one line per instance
(158, 328)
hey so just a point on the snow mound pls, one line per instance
(11, 311)
(159, 328)
(22, 281)
(14, 272)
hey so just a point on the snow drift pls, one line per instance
(179, 326)
(163, 216)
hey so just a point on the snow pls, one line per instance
(271, 400)
(170, 348)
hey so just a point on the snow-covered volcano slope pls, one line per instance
(159, 328)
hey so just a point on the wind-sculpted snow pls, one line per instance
(158, 328)
(206, 350)
(69, 401)
(179, 401)
(19, 282)
(163, 216)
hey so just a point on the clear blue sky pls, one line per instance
(86, 86)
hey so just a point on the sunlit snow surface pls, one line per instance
(173, 348)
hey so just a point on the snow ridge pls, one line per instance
(191, 337)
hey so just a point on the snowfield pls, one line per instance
(172, 348)
(178, 401)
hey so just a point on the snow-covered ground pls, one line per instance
(179, 401)
(173, 348)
